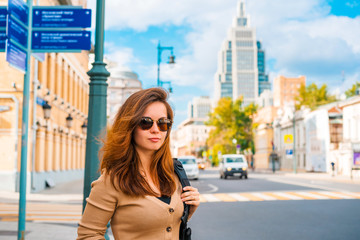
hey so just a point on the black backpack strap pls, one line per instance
(180, 172)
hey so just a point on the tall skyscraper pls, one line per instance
(263, 78)
(241, 62)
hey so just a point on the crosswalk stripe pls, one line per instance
(284, 196)
(352, 194)
(301, 195)
(338, 195)
(239, 197)
(202, 198)
(225, 197)
(316, 196)
(210, 198)
(251, 197)
(326, 195)
(264, 196)
(38, 212)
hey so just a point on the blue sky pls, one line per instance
(316, 38)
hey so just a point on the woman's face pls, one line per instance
(148, 141)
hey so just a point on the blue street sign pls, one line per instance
(61, 40)
(19, 10)
(2, 41)
(289, 152)
(40, 101)
(60, 17)
(3, 14)
(15, 56)
(17, 32)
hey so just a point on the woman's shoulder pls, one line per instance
(105, 181)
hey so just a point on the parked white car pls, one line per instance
(190, 165)
(233, 165)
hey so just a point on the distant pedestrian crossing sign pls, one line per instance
(288, 139)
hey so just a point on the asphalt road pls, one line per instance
(276, 218)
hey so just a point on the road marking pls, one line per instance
(210, 198)
(288, 196)
(213, 188)
(351, 194)
(265, 196)
(275, 196)
(251, 197)
(316, 196)
(238, 197)
(225, 197)
(40, 212)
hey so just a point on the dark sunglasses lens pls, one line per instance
(164, 124)
(146, 123)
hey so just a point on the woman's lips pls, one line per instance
(154, 139)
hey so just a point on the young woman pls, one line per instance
(138, 191)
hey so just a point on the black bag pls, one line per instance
(185, 232)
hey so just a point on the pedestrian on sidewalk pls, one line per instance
(138, 190)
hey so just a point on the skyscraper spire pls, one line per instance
(241, 9)
(241, 19)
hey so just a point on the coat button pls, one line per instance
(168, 229)
(171, 210)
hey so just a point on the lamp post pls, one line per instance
(171, 61)
(97, 103)
(294, 155)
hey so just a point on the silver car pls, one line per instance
(190, 165)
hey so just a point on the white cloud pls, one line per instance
(300, 36)
(123, 57)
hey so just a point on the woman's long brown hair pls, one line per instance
(119, 157)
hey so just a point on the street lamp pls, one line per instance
(47, 110)
(84, 128)
(171, 61)
(69, 121)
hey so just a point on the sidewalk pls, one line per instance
(312, 176)
(51, 214)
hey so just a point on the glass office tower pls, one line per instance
(241, 62)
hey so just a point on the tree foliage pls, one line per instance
(352, 91)
(231, 120)
(312, 97)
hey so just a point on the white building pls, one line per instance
(237, 72)
(347, 155)
(330, 134)
(121, 85)
(284, 126)
(191, 135)
(200, 107)
(265, 99)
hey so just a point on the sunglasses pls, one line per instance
(163, 124)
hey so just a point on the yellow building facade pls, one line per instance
(56, 150)
(264, 135)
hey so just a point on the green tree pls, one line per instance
(231, 120)
(312, 97)
(352, 91)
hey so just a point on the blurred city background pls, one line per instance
(276, 82)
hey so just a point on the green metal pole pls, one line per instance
(24, 133)
(97, 104)
(294, 155)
